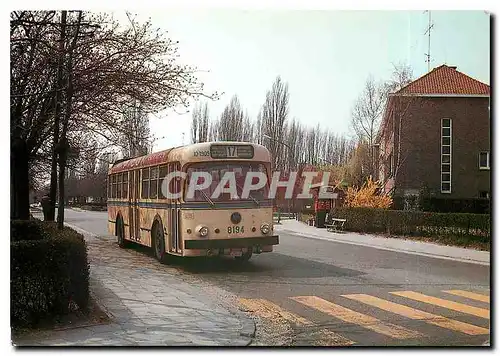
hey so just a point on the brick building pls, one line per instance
(435, 132)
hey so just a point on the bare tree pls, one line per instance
(367, 113)
(231, 121)
(111, 67)
(203, 124)
(394, 118)
(248, 129)
(137, 137)
(200, 123)
(195, 122)
(294, 139)
(259, 129)
(274, 117)
(213, 131)
(359, 165)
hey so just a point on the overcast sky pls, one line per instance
(325, 56)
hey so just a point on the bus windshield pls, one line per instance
(217, 171)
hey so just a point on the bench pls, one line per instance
(335, 225)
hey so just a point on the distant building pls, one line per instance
(435, 132)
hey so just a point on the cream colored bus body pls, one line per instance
(221, 238)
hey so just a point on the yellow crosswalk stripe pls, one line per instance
(470, 295)
(418, 314)
(269, 310)
(350, 316)
(464, 308)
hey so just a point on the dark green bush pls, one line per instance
(414, 223)
(47, 274)
(26, 230)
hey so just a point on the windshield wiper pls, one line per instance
(250, 195)
(255, 200)
(207, 198)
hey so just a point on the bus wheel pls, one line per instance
(246, 256)
(159, 243)
(120, 233)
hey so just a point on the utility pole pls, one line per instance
(63, 146)
(428, 33)
(57, 114)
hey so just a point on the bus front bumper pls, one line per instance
(232, 243)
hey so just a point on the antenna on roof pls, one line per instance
(428, 32)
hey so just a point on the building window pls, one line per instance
(484, 195)
(446, 155)
(389, 165)
(484, 160)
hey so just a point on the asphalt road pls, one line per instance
(334, 294)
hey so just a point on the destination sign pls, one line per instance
(231, 151)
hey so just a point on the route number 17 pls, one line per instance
(231, 151)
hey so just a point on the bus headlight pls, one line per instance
(203, 231)
(264, 228)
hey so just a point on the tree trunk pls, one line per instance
(19, 181)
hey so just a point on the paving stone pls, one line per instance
(150, 306)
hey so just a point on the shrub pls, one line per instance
(367, 196)
(26, 230)
(415, 223)
(47, 274)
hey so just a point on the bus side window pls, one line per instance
(125, 186)
(113, 186)
(145, 183)
(153, 186)
(162, 175)
(119, 186)
(175, 183)
(109, 186)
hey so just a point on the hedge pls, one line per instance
(414, 223)
(49, 272)
(443, 205)
(27, 230)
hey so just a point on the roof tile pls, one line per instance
(446, 80)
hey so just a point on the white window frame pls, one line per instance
(487, 195)
(487, 167)
(442, 155)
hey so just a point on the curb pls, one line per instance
(426, 254)
(84, 232)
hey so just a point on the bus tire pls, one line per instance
(158, 242)
(246, 256)
(120, 233)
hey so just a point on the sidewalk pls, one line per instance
(150, 305)
(391, 244)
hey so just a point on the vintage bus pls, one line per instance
(194, 225)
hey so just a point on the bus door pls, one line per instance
(174, 215)
(135, 181)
